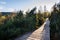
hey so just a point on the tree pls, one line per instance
(55, 24)
(32, 12)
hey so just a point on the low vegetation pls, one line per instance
(21, 23)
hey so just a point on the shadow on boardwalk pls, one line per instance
(46, 31)
(24, 37)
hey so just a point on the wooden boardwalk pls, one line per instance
(43, 33)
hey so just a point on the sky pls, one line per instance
(16, 5)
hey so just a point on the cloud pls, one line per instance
(10, 9)
(1, 8)
(2, 2)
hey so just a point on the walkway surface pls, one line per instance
(43, 33)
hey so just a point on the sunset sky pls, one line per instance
(15, 5)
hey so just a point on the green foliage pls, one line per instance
(8, 31)
(32, 12)
(39, 19)
(20, 24)
(55, 24)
